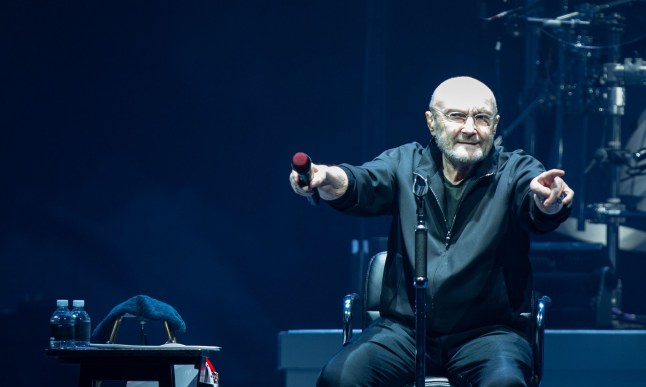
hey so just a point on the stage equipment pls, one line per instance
(580, 274)
(588, 79)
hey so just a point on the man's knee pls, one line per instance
(505, 373)
(338, 374)
(382, 354)
(504, 380)
(327, 378)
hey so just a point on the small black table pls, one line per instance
(122, 362)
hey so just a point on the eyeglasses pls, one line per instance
(459, 118)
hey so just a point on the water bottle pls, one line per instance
(82, 324)
(61, 326)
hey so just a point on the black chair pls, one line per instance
(372, 292)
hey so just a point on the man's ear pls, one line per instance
(494, 127)
(430, 123)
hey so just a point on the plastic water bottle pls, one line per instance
(82, 324)
(61, 326)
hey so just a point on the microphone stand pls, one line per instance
(420, 189)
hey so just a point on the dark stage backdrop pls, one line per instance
(145, 149)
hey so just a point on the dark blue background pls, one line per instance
(145, 149)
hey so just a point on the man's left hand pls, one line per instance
(550, 191)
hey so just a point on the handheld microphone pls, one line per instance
(302, 164)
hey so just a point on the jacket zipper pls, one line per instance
(447, 238)
(440, 207)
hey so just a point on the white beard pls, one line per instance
(460, 156)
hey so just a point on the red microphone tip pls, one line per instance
(301, 162)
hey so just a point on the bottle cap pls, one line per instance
(78, 303)
(62, 303)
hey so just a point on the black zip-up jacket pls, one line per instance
(479, 270)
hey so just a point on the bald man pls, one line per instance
(482, 205)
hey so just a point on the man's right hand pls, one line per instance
(331, 182)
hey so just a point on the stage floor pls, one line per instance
(572, 357)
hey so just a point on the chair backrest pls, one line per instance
(372, 292)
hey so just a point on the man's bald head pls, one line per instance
(463, 91)
(463, 118)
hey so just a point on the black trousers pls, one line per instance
(384, 355)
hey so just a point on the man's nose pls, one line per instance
(469, 126)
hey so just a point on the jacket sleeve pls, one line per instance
(372, 187)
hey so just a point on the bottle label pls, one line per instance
(62, 332)
(82, 331)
